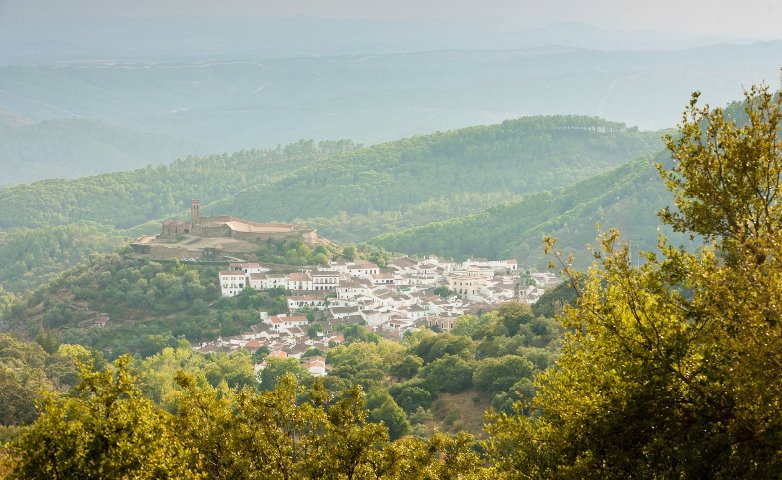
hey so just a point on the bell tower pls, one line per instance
(195, 206)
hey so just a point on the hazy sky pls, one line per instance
(748, 18)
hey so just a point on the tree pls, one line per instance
(406, 367)
(383, 409)
(449, 374)
(349, 252)
(411, 398)
(277, 368)
(726, 172)
(496, 375)
(673, 369)
(106, 430)
(314, 330)
(443, 291)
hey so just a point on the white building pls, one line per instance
(363, 269)
(315, 365)
(325, 280)
(282, 322)
(299, 281)
(265, 281)
(471, 287)
(232, 282)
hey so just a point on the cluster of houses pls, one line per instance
(391, 301)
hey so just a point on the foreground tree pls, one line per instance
(107, 429)
(674, 369)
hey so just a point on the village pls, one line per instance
(406, 295)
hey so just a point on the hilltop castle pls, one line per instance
(226, 226)
(214, 238)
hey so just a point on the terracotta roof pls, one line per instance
(361, 264)
(314, 362)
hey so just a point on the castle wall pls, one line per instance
(213, 231)
(262, 237)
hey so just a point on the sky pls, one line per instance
(758, 19)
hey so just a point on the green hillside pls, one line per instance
(126, 199)
(349, 194)
(30, 256)
(515, 157)
(626, 198)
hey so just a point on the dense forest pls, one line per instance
(30, 256)
(626, 198)
(127, 199)
(516, 156)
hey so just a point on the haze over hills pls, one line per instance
(73, 147)
(39, 39)
(216, 102)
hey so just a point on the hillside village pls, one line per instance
(406, 295)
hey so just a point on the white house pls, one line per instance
(341, 267)
(299, 281)
(342, 312)
(363, 269)
(384, 278)
(315, 365)
(265, 281)
(350, 289)
(284, 321)
(325, 280)
(232, 282)
(397, 324)
(471, 287)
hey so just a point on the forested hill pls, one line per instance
(350, 194)
(626, 198)
(517, 156)
(126, 199)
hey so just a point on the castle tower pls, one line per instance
(195, 206)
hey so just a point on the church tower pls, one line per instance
(195, 206)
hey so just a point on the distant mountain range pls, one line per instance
(182, 104)
(37, 39)
(74, 147)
